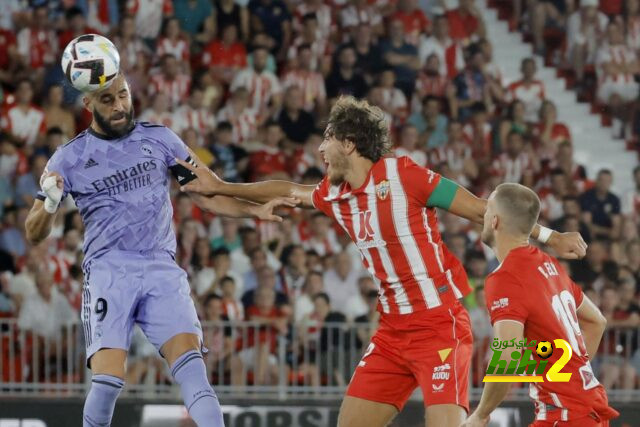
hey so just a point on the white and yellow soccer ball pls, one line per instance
(90, 62)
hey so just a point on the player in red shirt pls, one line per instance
(387, 206)
(530, 295)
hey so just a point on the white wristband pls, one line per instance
(544, 234)
(50, 205)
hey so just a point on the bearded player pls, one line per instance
(530, 295)
(118, 174)
(387, 206)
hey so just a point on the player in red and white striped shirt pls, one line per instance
(387, 207)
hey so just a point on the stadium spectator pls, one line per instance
(550, 132)
(415, 21)
(272, 17)
(130, 44)
(76, 26)
(472, 85)
(263, 85)
(367, 61)
(172, 42)
(344, 78)
(449, 53)
(465, 23)
(616, 66)
(401, 56)
(341, 281)
(193, 115)
(360, 12)
(529, 90)
(515, 164)
(601, 208)
(585, 27)
(430, 123)
(303, 303)
(296, 123)
(37, 43)
(243, 118)
(269, 160)
(294, 270)
(12, 238)
(228, 12)
(148, 15)
(171, 81)
(321, 238)
(513, 122)
(305, 75)
(409, 145)
(47, 311)
(56, 115)
(456, 155)
(552, 199)
(159, 111)
(28, 185)
(24, 121)
(311, 38)
(226, 56)
(357, 305)
(367, 323)
(259, 347)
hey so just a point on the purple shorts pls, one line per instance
(122, 288)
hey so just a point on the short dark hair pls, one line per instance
(221, 251)
(54, 130)
(224, 126)
(361, 123)
(324, 296)
(211, 297)
(604, 171)
(312, 173)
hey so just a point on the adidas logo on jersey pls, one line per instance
(90, 163)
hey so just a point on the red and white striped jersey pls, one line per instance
(37, 47)
(262, 87)
(179, 49)
(397, 235)
(310, 83)
(25, 125)
(177, 89)
(187, 117)
(245, 124)
(164, 118)
(531, 95)
(512, 170)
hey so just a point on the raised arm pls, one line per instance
(459, 201)
(43, 213)
(209, 184)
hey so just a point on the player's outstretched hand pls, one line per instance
(568, 245)
(475, 421)
(206, 183)
(265, 212)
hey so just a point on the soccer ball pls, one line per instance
(544, 349)
(90, 62)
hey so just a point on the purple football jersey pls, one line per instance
(121, 187)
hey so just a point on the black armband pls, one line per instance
(182, 174)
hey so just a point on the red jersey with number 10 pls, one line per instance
(532, 288)
(397, 235)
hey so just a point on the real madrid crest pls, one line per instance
(382, 190)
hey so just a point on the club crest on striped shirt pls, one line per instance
(382, 189)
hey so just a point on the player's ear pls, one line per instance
(495, 221)
(86, 101)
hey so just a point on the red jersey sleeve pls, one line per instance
(505, 297)
(418, 182)
(318, 197)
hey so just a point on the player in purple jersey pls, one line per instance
(117, 172)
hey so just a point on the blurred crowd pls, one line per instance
(248, 84)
